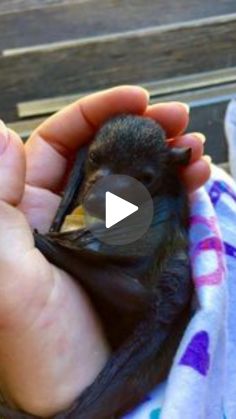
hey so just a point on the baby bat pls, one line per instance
(141, 291)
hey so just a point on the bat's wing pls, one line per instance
(144, 359)
(72, 190)
(77, 253)
(104, 269)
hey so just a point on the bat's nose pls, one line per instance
(118, 209)
(95, 202)
(102, 172)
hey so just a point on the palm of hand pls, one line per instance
(46, 319)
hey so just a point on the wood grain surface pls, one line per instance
(15, 6)
(54, 51)
(194, 88)
(43, 21)
(129, 57)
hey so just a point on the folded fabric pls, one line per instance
(202, 380)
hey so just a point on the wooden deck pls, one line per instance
(53, 51)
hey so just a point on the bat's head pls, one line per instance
(135, 146)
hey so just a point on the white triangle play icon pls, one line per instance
(117, 209)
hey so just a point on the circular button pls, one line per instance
(118, 209)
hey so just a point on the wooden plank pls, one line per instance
(173, 86)
(132, 57)
(87, 18)
(204, 97)
(45, 106)
(14, 6)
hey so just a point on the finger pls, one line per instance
(50, 145)
(173, 117)
(39, 206)
(195, 141)
(196, 174)
(12, 166)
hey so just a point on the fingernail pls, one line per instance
(200, 136)
(208, 159)
(185, 106)
(3, 137)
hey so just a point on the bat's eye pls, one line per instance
(146, 177)
(93, 158)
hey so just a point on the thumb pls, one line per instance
(12, 166)
(16, 240)
(15, 234)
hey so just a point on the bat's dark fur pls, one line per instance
(141, 291)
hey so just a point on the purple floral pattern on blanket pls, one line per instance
(217, 189)
(196, 354)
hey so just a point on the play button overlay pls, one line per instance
(118, 209)
(114, 202)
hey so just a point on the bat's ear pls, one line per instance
(180, 156)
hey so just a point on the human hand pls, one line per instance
(52, 345)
